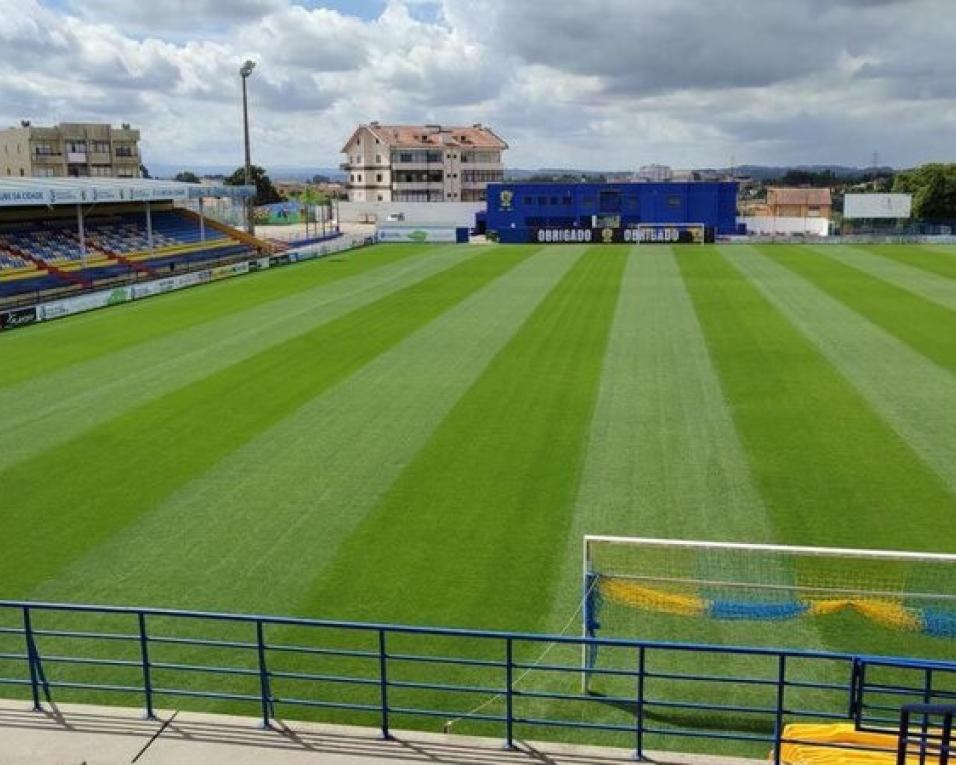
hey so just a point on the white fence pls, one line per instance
(785, 226)
(454, 214)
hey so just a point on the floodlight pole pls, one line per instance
(244, 72)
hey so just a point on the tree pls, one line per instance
(933, 187)
(144, 171)
(186, 176)
(265, 192)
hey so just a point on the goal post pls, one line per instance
(723, 581)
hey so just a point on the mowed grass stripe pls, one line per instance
(276, 509)
(86, 336)
(68, 499)
(830, 469)
(929, 258)
(925, 326)
(911, 393)
(55, 407)
(664, 460)
(473, 531)
(663, 457)
(936, 289)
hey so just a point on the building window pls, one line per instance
(359, 177)
(21, 172)
(378, 177)
(378, 159)
(379, 196)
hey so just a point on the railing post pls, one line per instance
(856, 692)
(509, 693)
(947, 741)
(144, 657)
(903, 741)
(265, 695)
(924, 728)
(778, 715)
(383, 681)
(639, 731)
(31, 659)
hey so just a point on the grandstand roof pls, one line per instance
(30, 192)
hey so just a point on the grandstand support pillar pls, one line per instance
(202, 223)
(81, 233)
(149, 231)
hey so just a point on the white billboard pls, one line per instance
(877, 206)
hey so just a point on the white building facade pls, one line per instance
(422, 163)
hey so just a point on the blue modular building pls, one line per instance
(611, 212)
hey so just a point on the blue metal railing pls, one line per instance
(931, 743)
(648, 688)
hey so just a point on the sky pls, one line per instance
(588, 84)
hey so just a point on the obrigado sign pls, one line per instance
(661, 235)
(548, 235)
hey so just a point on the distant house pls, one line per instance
(798, 203)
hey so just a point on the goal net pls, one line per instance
(753, 584)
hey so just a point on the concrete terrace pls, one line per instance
(97, 735)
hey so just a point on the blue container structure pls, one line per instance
(611, 212)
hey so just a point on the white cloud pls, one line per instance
(607, 83)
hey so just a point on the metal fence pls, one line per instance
(512, 683)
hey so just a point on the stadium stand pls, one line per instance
(20, 274)
(52, 243)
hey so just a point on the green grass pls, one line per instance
(423, 434)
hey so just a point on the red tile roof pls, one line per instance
(430, 136)
(790, 196)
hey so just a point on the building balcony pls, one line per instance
(76, 157)
(48, 158)
(418, 186)
(416, 165)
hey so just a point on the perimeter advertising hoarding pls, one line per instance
(648, 234)
(18, 317)
(417, 234)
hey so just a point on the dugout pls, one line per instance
(611, 212)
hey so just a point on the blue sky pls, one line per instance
(610, 84)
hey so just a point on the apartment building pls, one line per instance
(422, 163)
(70, 149)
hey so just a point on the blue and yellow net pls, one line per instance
(885, 611)
(901, 591)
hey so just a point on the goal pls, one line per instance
(897, 590)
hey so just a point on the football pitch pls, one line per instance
(424, 433)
